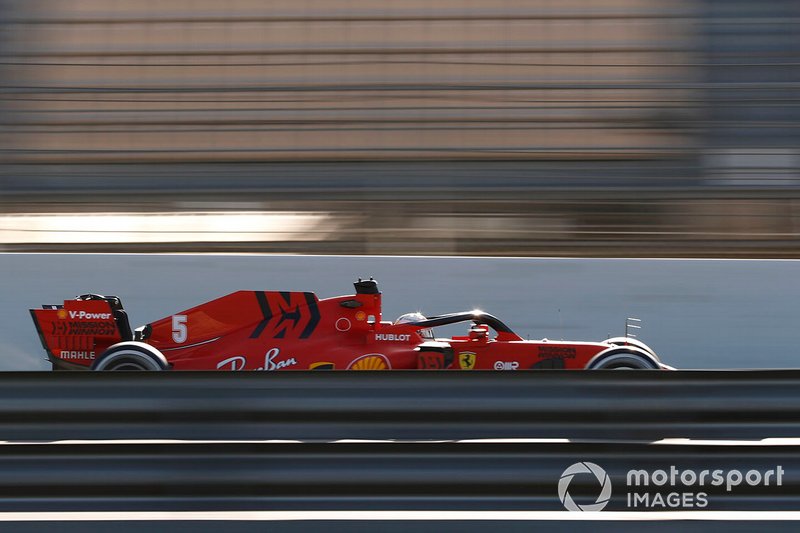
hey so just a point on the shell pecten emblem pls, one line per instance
(371, 361)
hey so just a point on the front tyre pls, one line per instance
(629, 341)
(623, 359)
(131, 356)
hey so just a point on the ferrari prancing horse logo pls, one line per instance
(466, 360)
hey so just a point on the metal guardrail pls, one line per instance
(111, 482)
(367, 476)
(308, 406)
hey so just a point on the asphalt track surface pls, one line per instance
(401, 522)
(696, 313)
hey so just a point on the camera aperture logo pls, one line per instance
(584, 468)
(668, 488)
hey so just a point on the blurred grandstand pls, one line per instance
(503, 127)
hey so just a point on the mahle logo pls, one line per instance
(584, 468)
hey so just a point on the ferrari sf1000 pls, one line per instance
(274, 330)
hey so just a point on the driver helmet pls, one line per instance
(407, 318)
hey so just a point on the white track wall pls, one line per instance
(696, 313)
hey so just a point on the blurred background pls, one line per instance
(491, 127)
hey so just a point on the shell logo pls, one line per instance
(371, 361)
(61, 314)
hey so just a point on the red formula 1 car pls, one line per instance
(253, 330)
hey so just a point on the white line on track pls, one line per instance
(665, 442)
(275, 516)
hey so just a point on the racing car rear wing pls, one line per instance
(82, 328)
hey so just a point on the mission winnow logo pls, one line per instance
(667, 488)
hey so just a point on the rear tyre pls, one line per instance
(131, 356)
